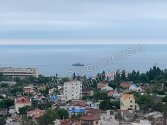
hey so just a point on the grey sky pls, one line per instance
(102, 20)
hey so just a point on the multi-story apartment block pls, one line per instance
(19, 72)
(73, 90)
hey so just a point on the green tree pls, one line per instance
(62, 113)
(123, 75)
(24, 110)
(145, 102)
(105, 105)
(48, 117)
(6, 103)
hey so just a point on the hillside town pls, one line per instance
(27, 98)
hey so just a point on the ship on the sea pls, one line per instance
(78, 64)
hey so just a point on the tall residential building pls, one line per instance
(19, 72)
(73, 90)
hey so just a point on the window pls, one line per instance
(131, 101)
(96, 122)
(131, 106)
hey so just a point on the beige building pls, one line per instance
(73, 90)
(21, 102)
(127, 102)
(19, 72)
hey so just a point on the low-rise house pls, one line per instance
(139, 89)
(95, 111)
(108, 119)
(102, 84)
(39, 98)
(127, 102)
(12, 110)
(112, 93)
(106, 88)
(87, 92)
(29, 89)
(133, 87)
(21, 102)
(125, 84)
(3, 111)
(90, 119)
(35, 113)
(60, 86)
(52, 90)
(92, 105)
(79, 103)
(65, 122)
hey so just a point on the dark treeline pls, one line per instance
(155, 74)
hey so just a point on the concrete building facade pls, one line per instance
(19, 72)
(73, 90)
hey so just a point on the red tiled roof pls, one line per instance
(90, 117)
(23, 100)
(79, 103)
(112, 92)
(125, 84)
(126, 96)
(36, 113)
(95, 111)
(69, 122)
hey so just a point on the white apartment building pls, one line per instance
(73, 90)
(18, 72)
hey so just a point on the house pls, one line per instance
(79, 103)
(87, 92)
(3, 111)
(125, 84)
(52, 90)
(39, 98)
(65, 122)
(106, 88)
(90, 119)
(92, 105)
(73, 90)
(21, 102)
(35, 113)
(139, 89)
(133, 87)
(127, 102)
(95, 111)
(113, 93)
(29, 89)
(102, 84)
(12, 110)
(108, 119)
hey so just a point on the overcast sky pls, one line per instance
(90, 21)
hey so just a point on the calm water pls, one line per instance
(52, 59)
